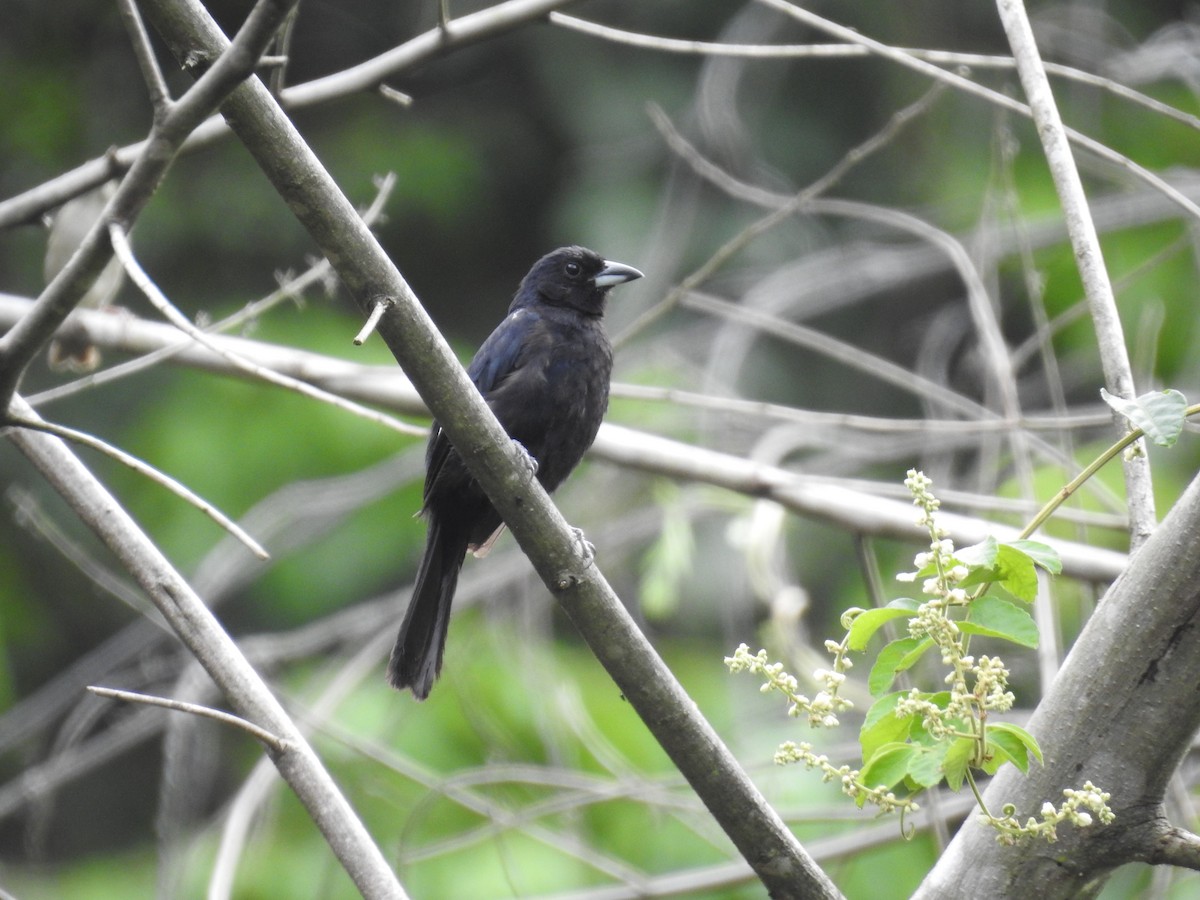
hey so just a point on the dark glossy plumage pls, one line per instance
(544, 372)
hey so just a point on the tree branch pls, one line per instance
(368, 75)
(1175, 847)
(264, 737)
(215, 650)
(1121, 713)
(145, 469)
(19, 345)
(910, 61)
(159, 301)
(755, 828)
(1089, 258)
(816, 498)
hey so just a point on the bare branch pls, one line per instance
(853, 508)
(995, 97)
(1175, 847)
(365, 76)
(317, 273)
(21, 343)
(400, 98)
(663, 44)
(271, 741)
(1088, 256)
(156, 84)
(146, 470)
(156, 297)
(377, 311)
(544, 535)
(205, 637)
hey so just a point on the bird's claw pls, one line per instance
(530, 463)
(587, 550)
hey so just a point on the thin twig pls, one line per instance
(156, 297)
(843, 51)
(849, 355)
(1064, 421)
(272, 741)
(739, 241)
(147, 471)
(1089, 258)
(317, 273)
(381, 306)
(283, 44)
(965, 84)
(143, 51)
(398, 97)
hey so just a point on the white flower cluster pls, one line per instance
(823, 708)
(846, 778)
(974, 686)
(1077, 808)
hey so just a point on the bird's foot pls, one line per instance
(587, 550)
(530, 463)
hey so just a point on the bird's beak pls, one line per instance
(615, 273)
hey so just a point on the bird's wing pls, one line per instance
(500, 355)
(497, 359)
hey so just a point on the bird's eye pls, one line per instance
(572, 269)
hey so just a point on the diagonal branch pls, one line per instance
(18, 346)
(695, 748)
(261, 735)
(1088, 257)
(145, 469)
(203, 635)
(159, 301)
(368, 75)
(857, 510)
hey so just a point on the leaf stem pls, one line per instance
(1075, 483)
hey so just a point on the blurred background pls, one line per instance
(839, 343)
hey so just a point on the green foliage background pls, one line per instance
(532, 140)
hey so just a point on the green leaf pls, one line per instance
(955, 763)
(1012, 568)
(1160, 414)
(998, 618)
(925, 766)
(1003, 746)
(981, 555)
(911, 659)
(888, 766)
(1027, 740)
(882, 726)
(1018, 574)
(895, 657)
(1042, 555)
(864, 626)
(997, 756)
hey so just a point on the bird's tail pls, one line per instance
(417, 656)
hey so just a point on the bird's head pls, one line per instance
(573, 277)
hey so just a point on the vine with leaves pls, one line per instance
(918, 738)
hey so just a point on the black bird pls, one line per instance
(544, 372)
